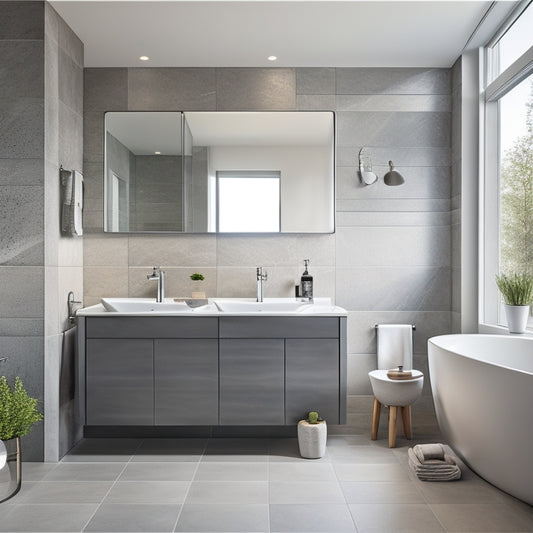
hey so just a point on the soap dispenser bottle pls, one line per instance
(306, 285)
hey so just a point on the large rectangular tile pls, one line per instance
(21, 171)
(21, 291)
(392, 205)
(22, 64)
(411, 129)
(306, 518)
(415, 288)
(179, 471)
(65, 492)
(142, 518)
(22, 20)
(393, 81)
(371, 472)
(403, 156)
(255, 89)
(52, 517)
(243, 492)
(315, 81)
(143, 492)
(407, 102)
(70, 138)
(228, 518)
(71, 82)
(164, 89)
(85, 472)
(376, 219)
(105, 250)
(309, 492)
(105, 89)
(395, 518)
(393, 246)
(21, 239)
(70, 42)
(105, 281)
(382, 492)
(230, 471)
(301, 472)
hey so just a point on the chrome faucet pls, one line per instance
(159, 276)
(261, 276)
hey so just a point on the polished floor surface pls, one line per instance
(251, 485)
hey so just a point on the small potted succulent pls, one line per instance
(312, 436)
(517, 292)
(197, 292)
(18, 413)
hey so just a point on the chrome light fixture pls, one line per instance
(365, 168)
(393, 177)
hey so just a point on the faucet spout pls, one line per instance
(159, 276)
(261, 277)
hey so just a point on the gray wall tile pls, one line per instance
(21, 64)
(22, 19)
(393, 81)
(21, 171)
(419, 103)
(315, 81)
(315, 102)
(402, 156)
(70, 42)
(71, 86)
(105, 89)
(255, 89)
(70, 138)
(21, 291)
(166, 89)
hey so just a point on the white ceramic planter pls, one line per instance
(312, 439)
(11, 478)
(517, 316)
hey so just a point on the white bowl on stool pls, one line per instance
(399, 392)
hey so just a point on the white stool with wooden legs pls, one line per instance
(395, 349)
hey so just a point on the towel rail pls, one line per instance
(377, 326)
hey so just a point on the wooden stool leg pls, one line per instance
(393, 410)
(406, 419)
(375, 418)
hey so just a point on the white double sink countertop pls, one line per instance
(213, 307)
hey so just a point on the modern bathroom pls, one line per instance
(220, 219)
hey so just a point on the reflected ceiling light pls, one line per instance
(393, 177)
(365, 167)
(272, 58)
(157, 153)
(144, 58)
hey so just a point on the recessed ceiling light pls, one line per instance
(144, 58)
(157, 153)
(272, 58)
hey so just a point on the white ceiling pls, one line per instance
(300, 33)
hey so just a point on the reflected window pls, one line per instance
(248, 201)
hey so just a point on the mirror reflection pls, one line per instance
(227, 172)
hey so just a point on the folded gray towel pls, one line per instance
(445, 469)
(428, 452)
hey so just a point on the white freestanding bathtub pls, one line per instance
(483, 392)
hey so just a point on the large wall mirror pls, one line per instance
(227, 172)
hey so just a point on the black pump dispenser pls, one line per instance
(306, 286)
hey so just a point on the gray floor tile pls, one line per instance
(36, 471)
(85, 472)
(123, 517)
(102, 451)
(308, 518)
(237, 457)
(243, 492)
(229, 471)
(362, 454)
(52, 517)
(482, 517)
(67, 492)
(395, 518)
(166, 458)
(317, 492)
(152, 492)
(301, 472)
(228, 518)
(172, 446)
(158, 472)
(381, 492)
(370, 472)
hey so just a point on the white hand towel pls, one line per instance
(395, 346)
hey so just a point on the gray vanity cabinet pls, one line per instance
(186, 382)
(112, 399)
(251, 382)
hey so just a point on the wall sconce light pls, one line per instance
(365, 168)
(391, 178)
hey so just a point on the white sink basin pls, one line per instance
(268, 305)
(149, 305)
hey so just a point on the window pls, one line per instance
(248, 201)
(508, 186)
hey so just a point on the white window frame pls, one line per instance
(489, 231)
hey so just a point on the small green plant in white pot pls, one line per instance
(197, 292)
(18, 413)
(312, 436)
(517, 292)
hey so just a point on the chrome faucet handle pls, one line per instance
(154, 274)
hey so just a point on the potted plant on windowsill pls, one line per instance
(517, 292)
(18, 413)
(312, 436)
(197, 292)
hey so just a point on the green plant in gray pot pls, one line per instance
(18, 413)
(517, 292)
(312, 436)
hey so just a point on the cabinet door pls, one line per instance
(251, 382)
(186, 382)
(120, 382)
(312, 379)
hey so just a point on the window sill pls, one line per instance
(492, 329)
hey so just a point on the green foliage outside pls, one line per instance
(18, 412)
(516, 202)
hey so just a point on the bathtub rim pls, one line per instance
(461, 353)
